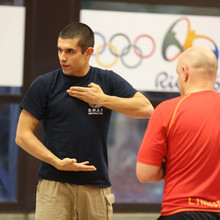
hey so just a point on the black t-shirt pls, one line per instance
(72, 127)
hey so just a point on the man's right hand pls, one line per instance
(68, 164)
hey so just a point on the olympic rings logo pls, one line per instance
(126, 49)
(170, 40)
(122, 49)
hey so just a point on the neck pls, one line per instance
(81, 72)
(199, 86)
(198, 90)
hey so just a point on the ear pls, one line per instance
(185, 73)
(89, 52)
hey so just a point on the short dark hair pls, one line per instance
(81, 31)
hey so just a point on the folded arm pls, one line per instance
(27, 140)
(137, 106)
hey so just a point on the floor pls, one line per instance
(116, 216)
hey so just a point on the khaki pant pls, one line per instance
(63, 201)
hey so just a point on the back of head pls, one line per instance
(200, 58)
(81, 31)
(200, 66)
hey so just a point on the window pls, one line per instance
(9, 110)
(8, 152)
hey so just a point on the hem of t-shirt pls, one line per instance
(77, 183)
(133, 93)
(31, 111)
(188, 210)
(148, 162)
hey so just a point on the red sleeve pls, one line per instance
(154, 145)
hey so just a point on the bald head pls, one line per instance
(197, 69)
(200, 58)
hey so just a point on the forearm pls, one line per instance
(137, 107)
(26, 139)
(32, 145)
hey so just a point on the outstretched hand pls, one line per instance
(68, 164)
(92, 94)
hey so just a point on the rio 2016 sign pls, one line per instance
(144, 48)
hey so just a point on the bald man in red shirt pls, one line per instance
(182, 142)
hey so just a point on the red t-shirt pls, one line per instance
(186, 132)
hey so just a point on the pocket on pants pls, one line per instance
(110, 199)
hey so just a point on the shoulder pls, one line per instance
(47, 79)
(171, 102)
(50, 75)
(115, 84)
(106, 75)
(102, 72)
(168, 106)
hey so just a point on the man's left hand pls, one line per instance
(92, 94)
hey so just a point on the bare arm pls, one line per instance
(149, 173)
(137, 106)
(27, 140)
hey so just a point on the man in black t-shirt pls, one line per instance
(74, 104)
